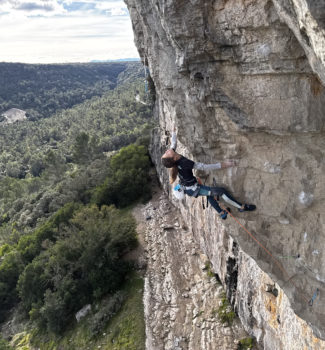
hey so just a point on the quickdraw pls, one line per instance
(311, 301)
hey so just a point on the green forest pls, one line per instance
(43, 89)
(68, 175)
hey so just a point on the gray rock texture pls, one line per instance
(181, 296)
(245, 80)
(307, 20)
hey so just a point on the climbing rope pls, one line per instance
(316, 293)
(309, 301)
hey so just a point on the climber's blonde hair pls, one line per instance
(173, 172)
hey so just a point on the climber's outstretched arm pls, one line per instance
(173, 143)
(215, 166)
(202, 166)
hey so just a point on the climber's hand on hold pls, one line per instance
(229, 163)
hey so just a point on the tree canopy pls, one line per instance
(43, 89)
(63, 182)
(46, 163)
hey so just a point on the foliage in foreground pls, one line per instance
(124, 330)
(225, 312)
(83, 264)
(108, 309)
(58, 251)
(4, 345)
(246, 344)
(75, 256)
(127, 179)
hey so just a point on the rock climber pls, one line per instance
(183, 167)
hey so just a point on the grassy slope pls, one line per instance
(125, 331)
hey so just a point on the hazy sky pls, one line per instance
(55, 31)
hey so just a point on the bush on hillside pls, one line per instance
(75, 256)
(4, 345)
(30, 245)
(128, 178)
(16, 257)
(83, 264)
(107, 310)
(10, 269)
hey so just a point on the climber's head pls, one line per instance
(169, 158)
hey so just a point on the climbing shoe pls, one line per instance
(247, 207)
(223, 215)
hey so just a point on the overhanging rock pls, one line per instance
(237, 83)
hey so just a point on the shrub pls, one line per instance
(84, 263)
(10, 269)
(30, 245)
(54, 312)
(4, 345)
(208, 269)
(225, 312)
(107, 310)
(32, 283)
(128, 178)
(4, 249)
(246, 344)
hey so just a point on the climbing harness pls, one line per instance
(196, 190)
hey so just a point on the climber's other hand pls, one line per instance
(229, 163)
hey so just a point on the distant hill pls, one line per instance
(43, 89)
(119, 60)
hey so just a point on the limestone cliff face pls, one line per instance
(181, 297)
(307, 20)
(245, 79)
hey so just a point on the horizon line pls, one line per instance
(129, 59)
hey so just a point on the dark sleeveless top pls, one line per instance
(185, 171)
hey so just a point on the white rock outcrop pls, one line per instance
(13, 115)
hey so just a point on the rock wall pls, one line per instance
(181, 296)
(244, 79)
(307, 21)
